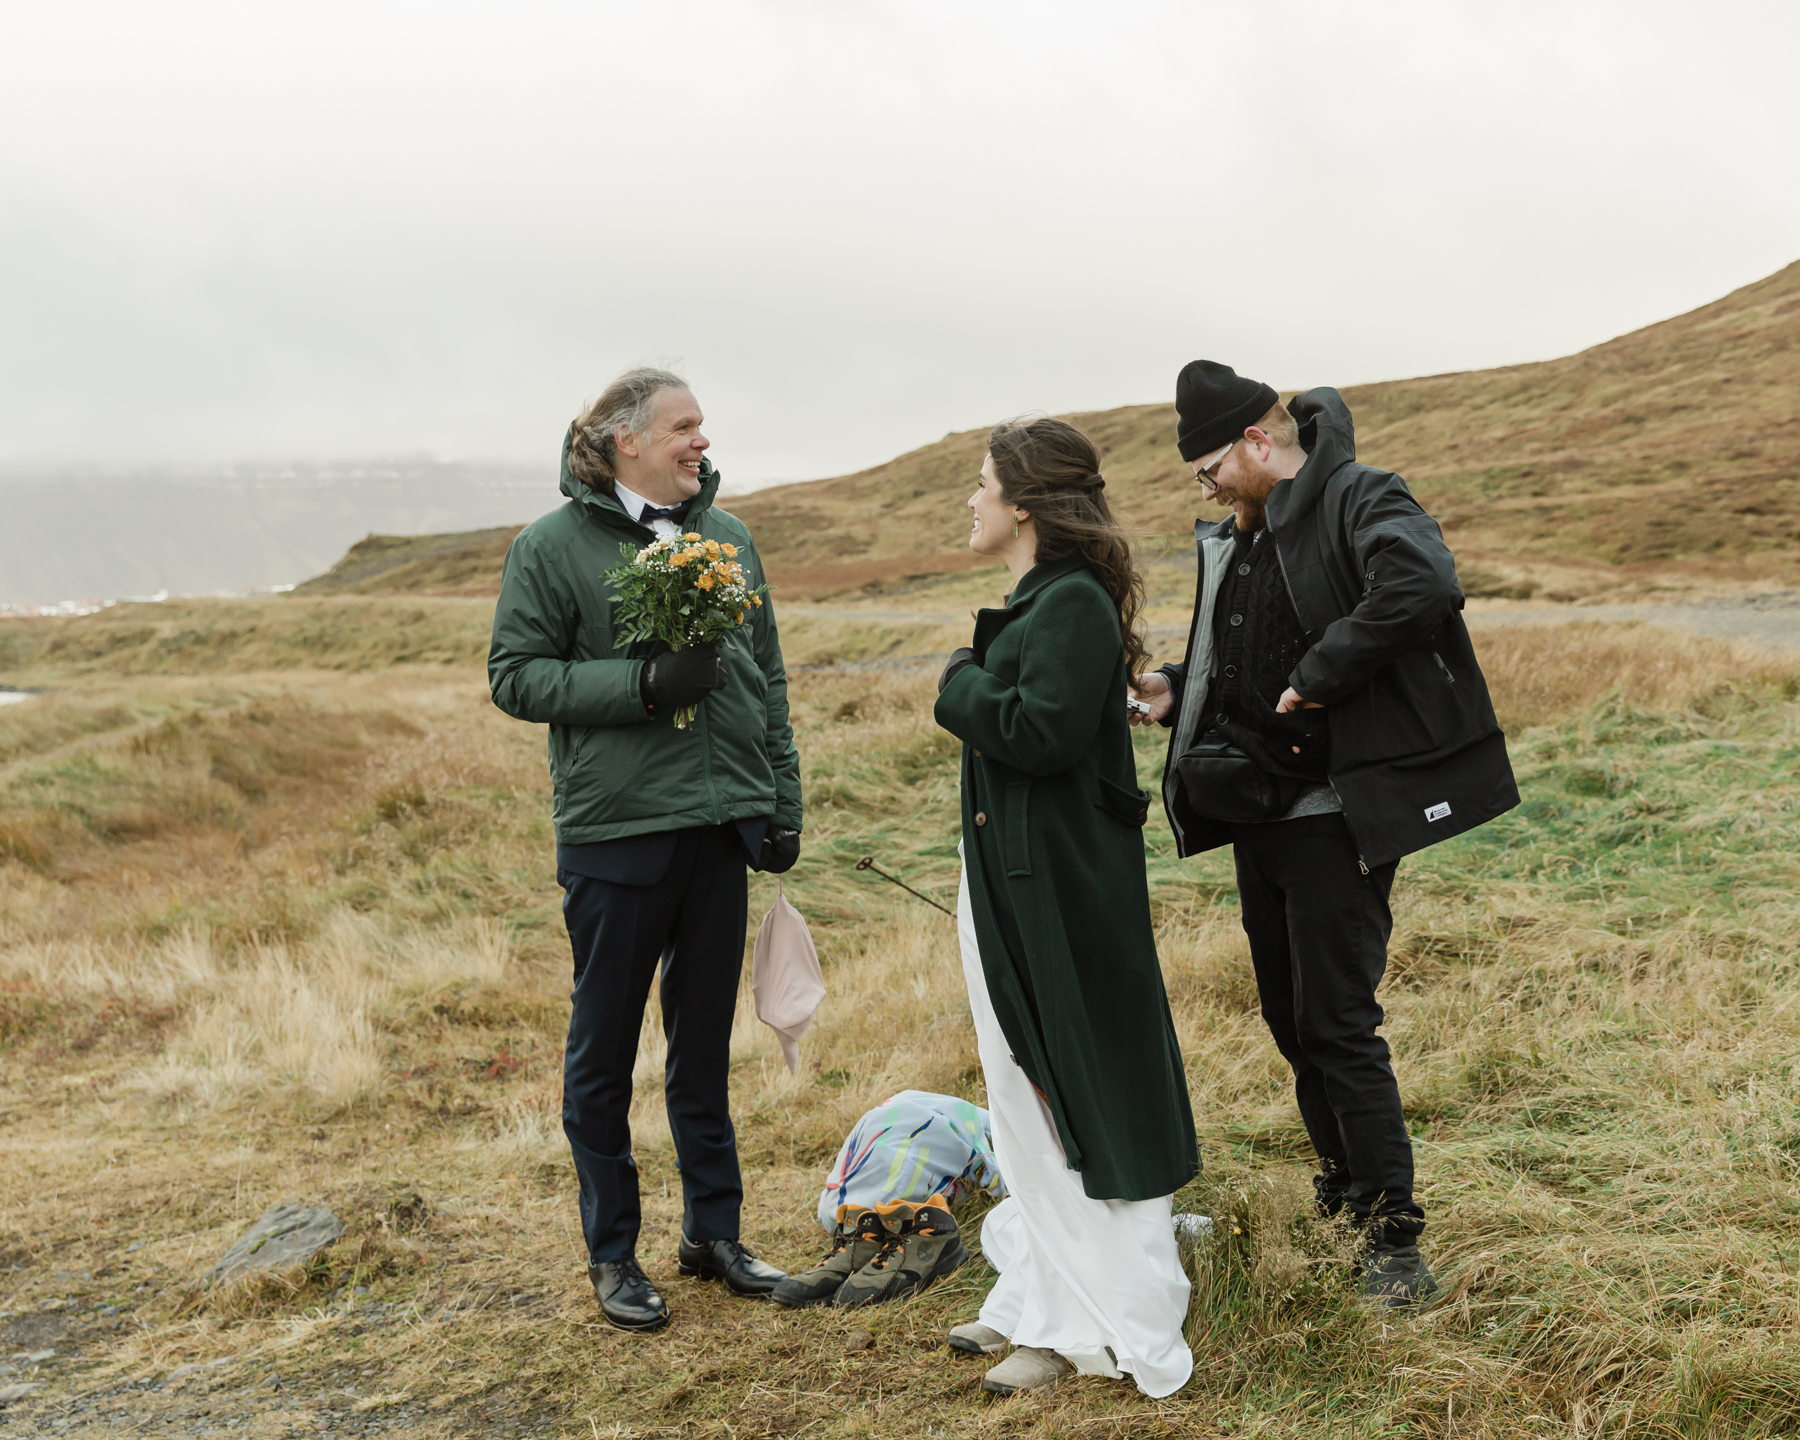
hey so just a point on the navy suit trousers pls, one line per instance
(690, 925)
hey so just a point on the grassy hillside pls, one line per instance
(277, 633)
(1669, 457)
(466, 563)
(1665, 460)
(271, 931)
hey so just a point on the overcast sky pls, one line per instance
(234, 231)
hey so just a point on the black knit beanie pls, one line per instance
(1215, 405)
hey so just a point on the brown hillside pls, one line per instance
(465, 563)
(1668, 458)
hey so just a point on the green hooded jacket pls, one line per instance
(554, 660)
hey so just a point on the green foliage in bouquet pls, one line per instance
(684, 591)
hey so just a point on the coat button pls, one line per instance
(1243, 569)
(1143, 813)
(1237, 619)
(1230, 670)
(981, 817)
(1221, 718)
(977, 754)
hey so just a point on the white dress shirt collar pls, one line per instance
(635, 505)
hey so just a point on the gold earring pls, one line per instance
(1015, 527)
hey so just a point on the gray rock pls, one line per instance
(33, 1332)
(10, 1393)
(181, 1372)
(283, 1235)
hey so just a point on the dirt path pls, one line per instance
(1772, 619)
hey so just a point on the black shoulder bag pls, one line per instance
(1223, 783)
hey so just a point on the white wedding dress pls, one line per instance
(1099, 1281)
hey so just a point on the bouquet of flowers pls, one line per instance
(682, 590)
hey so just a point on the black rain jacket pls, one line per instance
(1416, 752)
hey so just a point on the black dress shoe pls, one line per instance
(729, 1261)
(627, 1298)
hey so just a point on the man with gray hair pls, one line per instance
(654, 825)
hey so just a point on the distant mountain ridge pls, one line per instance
(465, 562)
(1667, 458)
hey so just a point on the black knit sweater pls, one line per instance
(1257, 642)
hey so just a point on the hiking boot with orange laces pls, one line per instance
(928, 1246)
(860, 1234)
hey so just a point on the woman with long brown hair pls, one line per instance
(1092, 1125)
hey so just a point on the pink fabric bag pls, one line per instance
(785, 977)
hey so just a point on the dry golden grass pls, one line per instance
(1539, 676)
(305, 944)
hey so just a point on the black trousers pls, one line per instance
(1318, 930)
(690, 923)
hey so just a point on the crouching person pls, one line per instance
(1328, 719)
(655, 825)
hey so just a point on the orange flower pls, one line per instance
(758, 600)
(705, 582)
(740, 617)
(680, 557)
(712, 548)
(691, 535)
(729, 549)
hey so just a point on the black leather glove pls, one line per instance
(780, 849)
(681, 677)
(958, 659)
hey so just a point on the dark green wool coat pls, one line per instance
(1053, 844)
(554, 659)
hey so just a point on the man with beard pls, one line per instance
(1329, 718)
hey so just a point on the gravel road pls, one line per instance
(1768, 619)
(1771, 619)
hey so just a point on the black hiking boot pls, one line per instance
(860, 1234)
(1397, 1277)
(928, 1247)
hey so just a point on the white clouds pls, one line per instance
(336, 229)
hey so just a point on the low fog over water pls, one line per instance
(91, 533)
(75, 534)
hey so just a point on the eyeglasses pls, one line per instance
(1208, 475)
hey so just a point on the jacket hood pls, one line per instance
(1328, 436)
(609, 504)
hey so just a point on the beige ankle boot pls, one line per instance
(977, 1339)
(1027, 1368)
